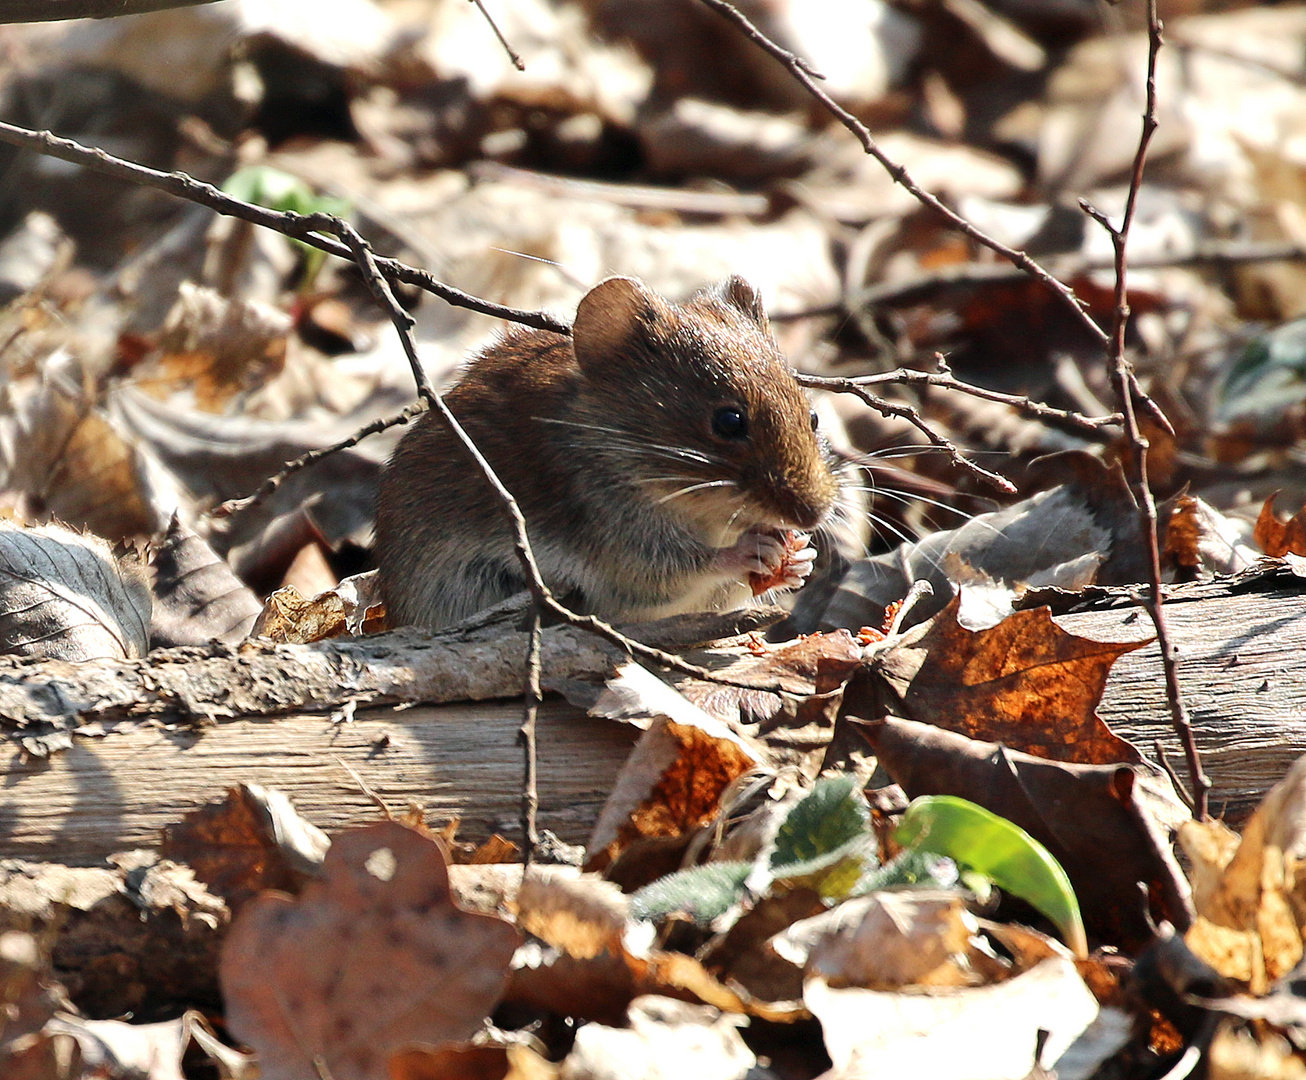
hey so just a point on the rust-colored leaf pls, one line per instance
(245, 844)
(1279, 538)
(1026, 683)
(374, 956)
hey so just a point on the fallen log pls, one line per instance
(1241, 647)
(146, 741)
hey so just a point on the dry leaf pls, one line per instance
(471, 1063)
(197, 596)
(978, 1033)
(664, 1040)
(1106, 825)
(354, 606)
(1279, 538)
(1251, 893)
(890, 940)
(64, 595)
(373, 956)
(671, 784)
(1025, 682)
(215, 347)
(253, 840)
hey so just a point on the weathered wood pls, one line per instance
(115, 792)
(1242, 669)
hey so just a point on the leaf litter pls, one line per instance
(777, 861)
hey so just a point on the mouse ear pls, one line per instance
(739, 294)
(609, 318)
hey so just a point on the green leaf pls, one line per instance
(974, 838)
(823, 823)
(825, 841)
(701, 892)
(1268, 377)
(272, 188)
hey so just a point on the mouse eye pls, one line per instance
(816, 420)
(730, 422)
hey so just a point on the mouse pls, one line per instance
(664, 457)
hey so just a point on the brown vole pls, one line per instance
(659, 456)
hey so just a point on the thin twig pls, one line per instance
(906, 412)
(1178, 784)
(530, 794)
(270, 485)
(379, 802)
(290, 224)
(1123, 377)
(806, 75)
(516, 60)
(946, 380)
(923, 287)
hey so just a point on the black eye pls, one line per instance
(730, 422)
(816, 420)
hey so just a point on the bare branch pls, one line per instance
(290, 224)
(857, 387)
(516, 60)
(1090, 425)
(270, 485)
(1126, 385)
(22, 11)
(803, 72)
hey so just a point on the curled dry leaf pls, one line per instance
(197, 596)
(1106, 825)
(76, 463)
(252, 840)
(1279, 538)
(668, 1039)
(1071, 535)
(889, 940)
(591, 960)
(352, 607)
(1025, 682)
(64, 595)
(817, 664)
(582, 915)
(373, 956)
(1250, 893)
(672, 782)
(1200, 541)
(216, 347)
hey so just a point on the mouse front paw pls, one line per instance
(770, 559)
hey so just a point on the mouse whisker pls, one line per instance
(633, 441)
(696, 487)
(907, 498)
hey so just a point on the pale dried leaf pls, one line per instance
(666, 1040)
(881, 1033)
(197, 596)
(889, 940)
(64, 595)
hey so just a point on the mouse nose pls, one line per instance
(807, 506)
